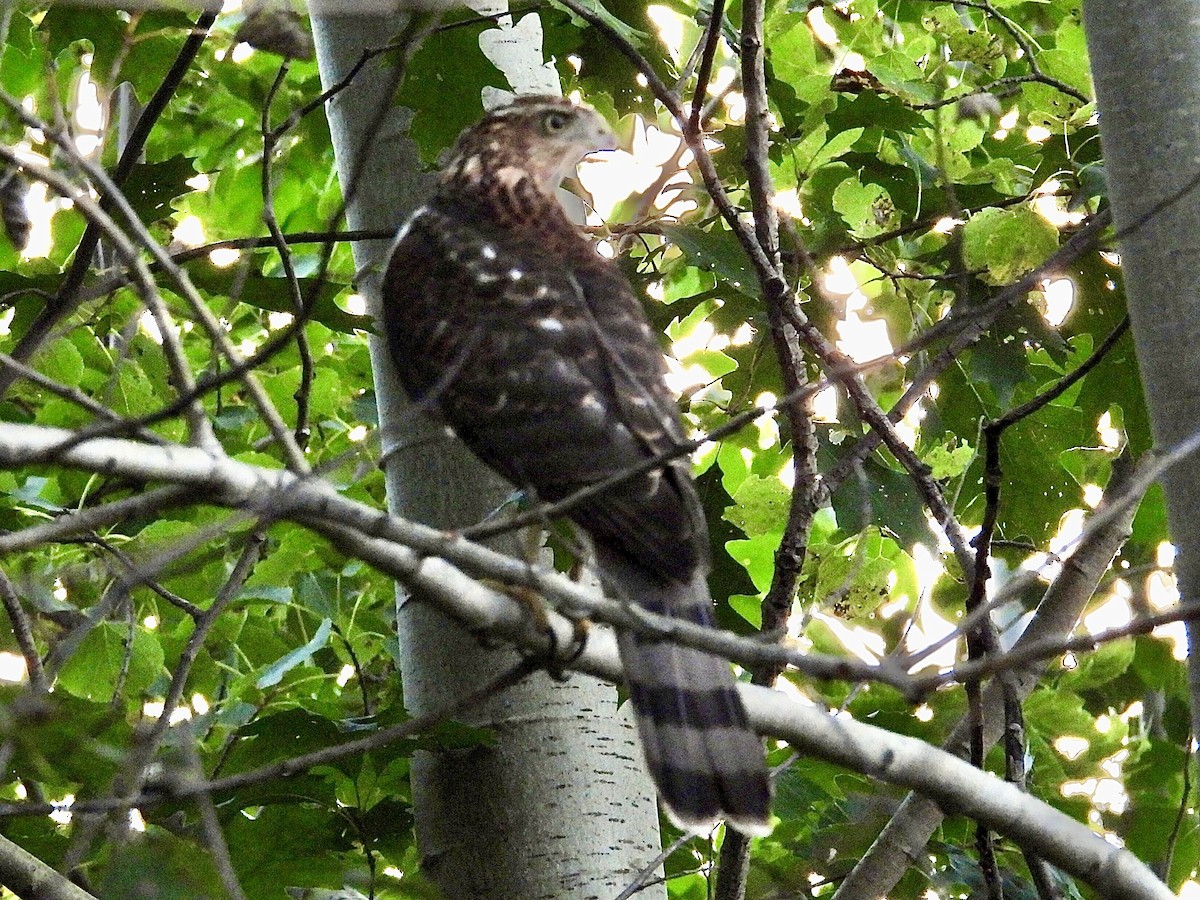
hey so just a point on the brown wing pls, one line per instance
(549, 372)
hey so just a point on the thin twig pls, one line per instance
(1181, 814)
(712, 38)
(72, 395)
(765, 260)
(214, 837)
(734, 866)
(132, 568)
(1028, 51)
(962, 329)
(216, 331)
(646, 875)
(977, 611)
(303, 392)
(358, 669)
(23, 632)
(85, 521)
(180, 372)
(137, 763)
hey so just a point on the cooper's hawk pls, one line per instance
(534, 348)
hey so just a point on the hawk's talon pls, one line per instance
(556, 666)
(579, 637)
(535, 606)
(555, 660)
(578, 567)
(551, 663)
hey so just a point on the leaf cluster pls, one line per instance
(913, 213)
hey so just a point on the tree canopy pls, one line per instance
(875, 237)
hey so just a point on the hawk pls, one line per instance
(500, 315)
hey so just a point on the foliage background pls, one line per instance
(874, 153)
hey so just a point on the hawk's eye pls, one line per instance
(555, 122)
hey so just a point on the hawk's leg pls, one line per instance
(556, 659)
(536, 544)
(533, 546)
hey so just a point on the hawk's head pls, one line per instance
(539, 138)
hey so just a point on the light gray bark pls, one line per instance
(1146, 65)
(558, 806)
(31, 879)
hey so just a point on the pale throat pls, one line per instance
(469, 171)
(547, 181)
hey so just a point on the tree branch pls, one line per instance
(31, 879)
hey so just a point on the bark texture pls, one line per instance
(1146, 68)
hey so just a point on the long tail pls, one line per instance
(701, 752)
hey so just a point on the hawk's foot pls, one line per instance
(556, 659)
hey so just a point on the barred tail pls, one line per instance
(702, 754)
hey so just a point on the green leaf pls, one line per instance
(23, 68)
(715, 250)
(153, 49)
(757, 557)
(855, 579)
(1088, 465)
(279, 736)
(70, 741)
(837, 146)
(444, 105)
(791, 46)
(135, 393)
(760, 506)
(151, 187)
(63, 363)
(325, 394)
(949, 460)
(368, 787)
(628, 34)
(1156, 779)
(101, 28)
(1101, 666)
(1056, 713)
(866, 208)
(714, 362)
(161, 865)
(94, 669)
(273, 294)
(749, 608)
(902, 75)
(275, 672)
(1154, 663)
(1068, 61)
(890, 497)
(285, 845)
(1007, 243)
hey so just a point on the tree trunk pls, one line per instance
(1146, 66)
(558, 805)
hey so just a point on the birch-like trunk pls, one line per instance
(1146, 66)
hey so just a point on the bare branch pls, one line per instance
(23, 631)
(27, 876)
